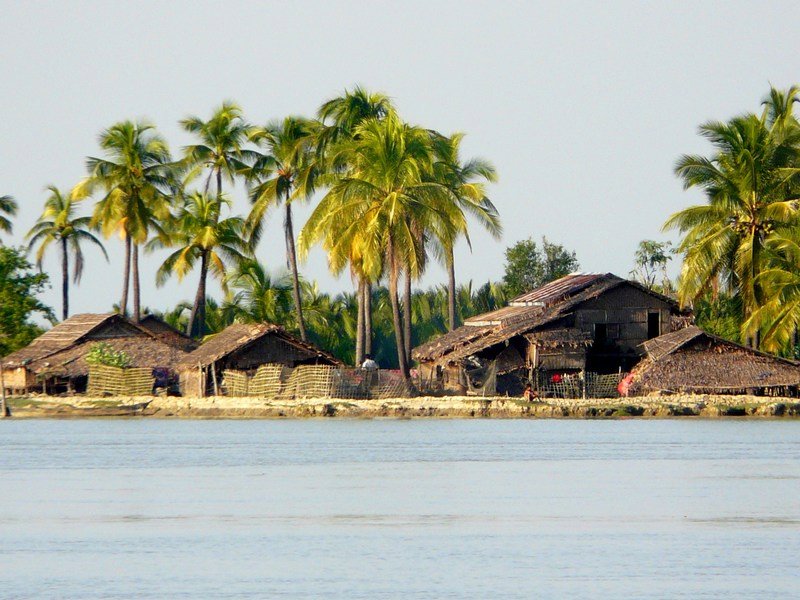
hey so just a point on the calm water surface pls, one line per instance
(399, 509)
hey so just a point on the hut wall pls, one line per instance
(267, 349)
(624, 311)
(115, 329)
(16, 381)
(192, 383)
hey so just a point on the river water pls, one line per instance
(399, 509)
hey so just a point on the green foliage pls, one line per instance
(527, 267)
(722, 316)
(650, 264)
(103, 354)
(19, 286)
(744, 238)
(8, 208)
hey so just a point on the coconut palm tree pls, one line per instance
(284, 172)
(59, 224)
(465, 180)
(259, 296)
(751, 184)
(341, 115)
(370, 208)
(221, 145)
(138, 179)
(201, 235)
(339, 118)
(8, 206)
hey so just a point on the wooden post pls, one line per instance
(214, 378)
(201, 389)
(3, 407)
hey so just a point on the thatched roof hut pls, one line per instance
(60, 353)
(580, 322)
(245, 347)
(694, 361)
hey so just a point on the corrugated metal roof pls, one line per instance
(503, 315)
(559, 289)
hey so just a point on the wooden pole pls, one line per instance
(214, 378)
(3, 407)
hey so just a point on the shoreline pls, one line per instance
(447, 407)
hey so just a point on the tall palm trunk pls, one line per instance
(367, 317)
(126, 274)
(137, 297)
(407, 313)
(359, 358)
(451, 290)
(394, 276)
(291, 255)
(197, 318)
(64, 280)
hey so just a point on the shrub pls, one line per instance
(103, 354)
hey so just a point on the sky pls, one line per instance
(582, 107)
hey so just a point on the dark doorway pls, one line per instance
(653, 325)
(600, 334)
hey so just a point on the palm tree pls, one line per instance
(751, 184)
(220, 150)
(8, 206)
(284, 173)
(371, 206)
(340, 117)
(138, 178)
(201, 235)
(260, 297)
(465, 182)
(58, 224)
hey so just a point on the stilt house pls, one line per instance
(582, 322)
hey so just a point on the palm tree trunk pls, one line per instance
(137, 298)
(291, 255)
(219, 182)
(197, 318)
(64, 280)
(367, 318)
(398, 325)
(407, 313)
(126, 270)
(451, 290)
(359, 358)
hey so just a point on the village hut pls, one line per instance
(692, 361)
(583, 322)
(55, 362)
(245, 347)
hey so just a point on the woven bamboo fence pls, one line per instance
(114, 381)
(276, 382)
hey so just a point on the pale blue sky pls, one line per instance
(583, 107)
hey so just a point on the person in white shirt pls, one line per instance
(369, 364)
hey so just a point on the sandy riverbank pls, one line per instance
(421, 407)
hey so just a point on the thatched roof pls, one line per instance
(60, 337)
(692, 360)
(240, 335)
(561, 336)
(538, 308)
(144, 351)
(168, 334)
